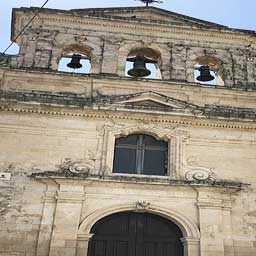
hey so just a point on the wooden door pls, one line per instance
(135, 234)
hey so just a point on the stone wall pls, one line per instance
(58, 131)
(33, 143)
(229, 52)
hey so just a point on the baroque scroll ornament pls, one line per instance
(200, 174)
(75, 166)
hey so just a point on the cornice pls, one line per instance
(151, 27)
(189, 32)
(213, 123)
(222, 185)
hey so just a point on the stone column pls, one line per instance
(191, 246)
(211, 222)
(67, 216)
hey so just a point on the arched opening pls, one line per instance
(67, 59)
(75, 59)
(153, 64)
(135, 234)
(140, 154)
(214, 68)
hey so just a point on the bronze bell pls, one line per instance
(139, 66)
(75, 61)
(205, 75)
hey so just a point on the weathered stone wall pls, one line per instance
(34, 143)
(180, 48)
(58, 132)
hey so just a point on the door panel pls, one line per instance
(135, 234)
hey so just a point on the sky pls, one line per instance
(232, 13)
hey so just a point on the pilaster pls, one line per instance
(191, 246)
(69, 202)
(211, 223)
(110, 55)
(46, 225)
(82, 244)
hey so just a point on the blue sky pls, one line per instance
(233, 13)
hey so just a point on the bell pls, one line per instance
(205, 75)
(139, 66)
(75, 61)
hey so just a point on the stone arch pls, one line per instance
(218, 60)
(146, 129)
(93, 51)
(188, 228)
(214, 63)
(159, 53)
(83, 49)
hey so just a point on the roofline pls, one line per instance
(153, 8)
(29, 9)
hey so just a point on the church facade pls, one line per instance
(101, 163)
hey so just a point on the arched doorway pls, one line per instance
(135, 234)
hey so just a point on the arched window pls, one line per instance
(153, 64)
(140, 154)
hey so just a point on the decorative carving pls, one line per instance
(76, 167)
(210, 52)
(142, 206)
(179, 47)
(80, 39)
(112, 40)
(200, 174)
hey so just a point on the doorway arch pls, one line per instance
(135, 234)
(190, 231)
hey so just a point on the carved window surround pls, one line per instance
(174, 137)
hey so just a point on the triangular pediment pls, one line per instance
(151, 14)
(145, 101)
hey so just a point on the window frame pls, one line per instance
(175, 137)
(140, 147)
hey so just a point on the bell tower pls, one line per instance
(127, 131)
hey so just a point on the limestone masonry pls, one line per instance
(60, 135)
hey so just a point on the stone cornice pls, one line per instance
(40, 110)
(223, 185)
(187, 32)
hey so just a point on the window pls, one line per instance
(140, 154)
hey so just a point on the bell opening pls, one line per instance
(75, 63)
(204, 75)
(141, 67)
